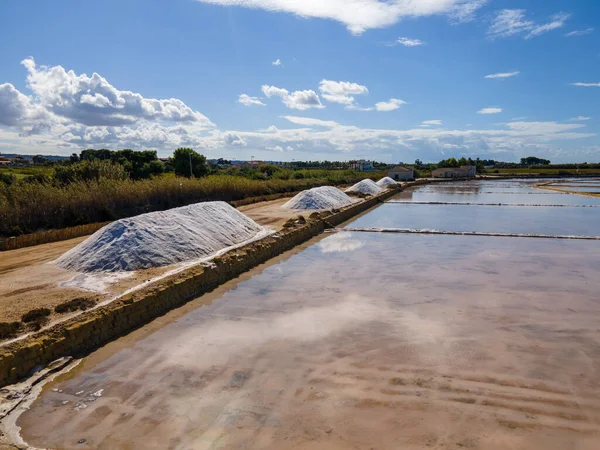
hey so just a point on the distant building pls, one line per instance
(455, 172)
(401, 173)
(361, 165)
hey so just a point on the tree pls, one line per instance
(187, 163)
(533, 161)
(74, 158)
(39, 160)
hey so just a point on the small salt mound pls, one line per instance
(366, 187)
(162, 238)
(324, 197)
(386, 182)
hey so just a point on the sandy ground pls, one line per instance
(450, 343)
(28, 279)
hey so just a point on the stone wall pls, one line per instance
(88, 331)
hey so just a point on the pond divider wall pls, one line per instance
(92, 329)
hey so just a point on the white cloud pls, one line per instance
(489, 111)
(362, 15)
(246, 100)
(558, 21)
(296, 100)
(502, 75)
(232, 138)
(390, 105)
(429, 123)
(407, 42)
(580, 32)
(579, 119)
(341, 91)
(93, 101)
(586, 84)
(512, 22)
(308, 121)
(515, 138)
(15, 107)
(466, 12)
(277, 62)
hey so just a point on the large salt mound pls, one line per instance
(366, 187)
(386, 182)
(162, 238)
(324, 197)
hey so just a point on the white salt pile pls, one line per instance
(324, 197)
(366, 187)
(162, 238)
(386, 182)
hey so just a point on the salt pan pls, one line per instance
(319, 198)
(161, 238)
(366, 187)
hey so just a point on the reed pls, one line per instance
(30, 207)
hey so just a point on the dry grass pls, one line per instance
(30, 207)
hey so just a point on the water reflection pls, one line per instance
(368, 340)
(340, 242)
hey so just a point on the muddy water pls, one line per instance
(362, 341)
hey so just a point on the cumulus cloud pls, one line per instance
(362, 15)
(429, 123)
(515, 138)
(586, 84)
(342, 92)
(513, 22)
(502, 75)
(580, 32)
(246, 100)
(14, 106)
(407, 42)
(296, 100)
(489, 111)
(390, 105)
(234, 139)
(277, 62)
(74, 110)
(93, 101)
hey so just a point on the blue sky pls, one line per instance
(312, 79)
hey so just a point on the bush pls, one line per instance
(35, 315)
(80, 303)
(92, 170)
(40, 178)
(7, 178)
(9, 329)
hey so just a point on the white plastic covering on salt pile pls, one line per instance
(386, 182)
(324, 197)
(367, 187)
(162, 238)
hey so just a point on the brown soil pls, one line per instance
(29, 281)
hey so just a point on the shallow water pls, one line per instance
(536, 197)
(501, 219)
(366, 340)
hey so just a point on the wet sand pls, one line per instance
(363, 341)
